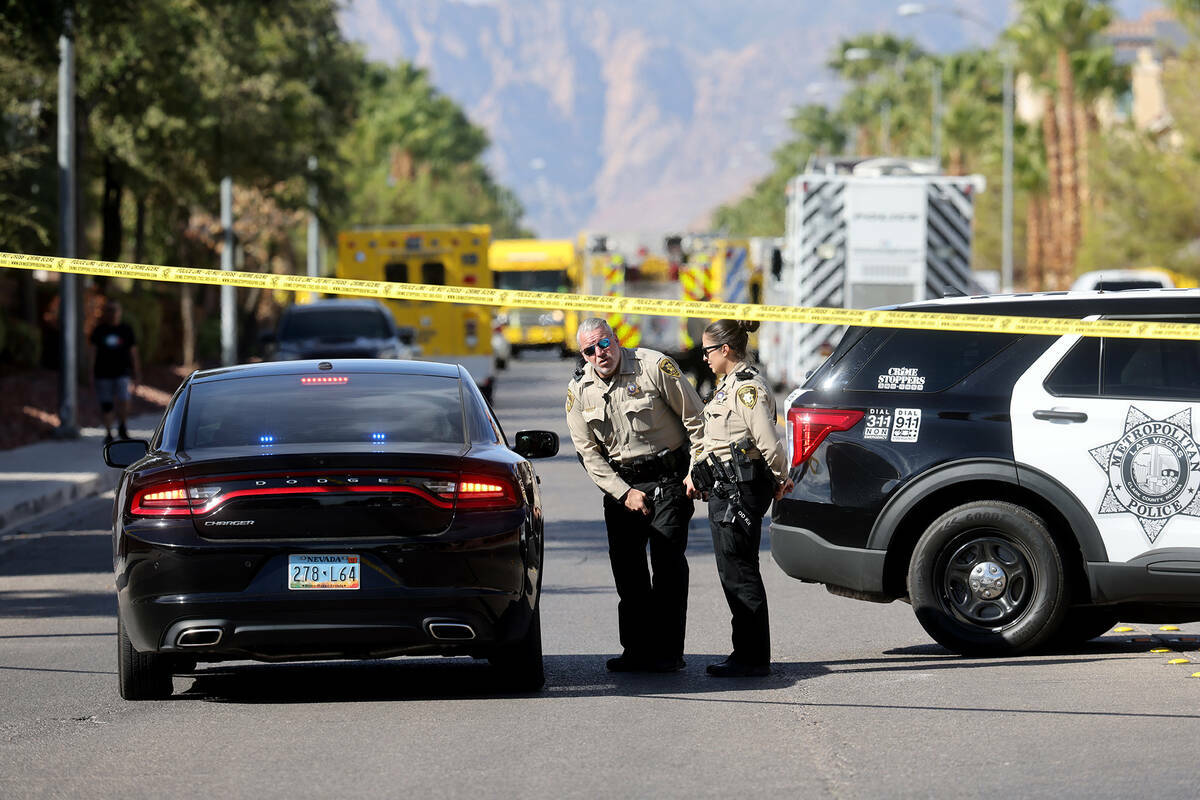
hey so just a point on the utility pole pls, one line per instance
(1006, 222)
(68, 285)
(228, 298)
(314, 227)
(936, 91)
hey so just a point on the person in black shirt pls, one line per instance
(115, 368)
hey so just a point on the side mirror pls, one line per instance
(536, 444)
(123, 452)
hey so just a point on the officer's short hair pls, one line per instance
(592, 324)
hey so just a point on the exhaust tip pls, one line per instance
(451, 630)
(199, 637)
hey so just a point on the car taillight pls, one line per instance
(170, 499)
(810, 426)
(486, 491)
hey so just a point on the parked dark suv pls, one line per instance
(341, 328)
(1017, 490)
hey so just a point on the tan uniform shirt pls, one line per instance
(742, 405)
(645, 407)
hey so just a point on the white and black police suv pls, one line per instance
(1019, 491)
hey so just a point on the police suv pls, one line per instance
(1018, 490)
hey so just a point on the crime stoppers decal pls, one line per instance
(1153, 470)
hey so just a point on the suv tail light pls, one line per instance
(810, 426)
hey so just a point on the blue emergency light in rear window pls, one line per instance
(266, 438)
(378, 437)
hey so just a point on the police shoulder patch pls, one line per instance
(668, 366)
(570, 399)
(747, 396)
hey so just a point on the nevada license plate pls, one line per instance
(323, 572)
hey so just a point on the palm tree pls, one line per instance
(1049, 32)
(972, 104)
(1097, 75)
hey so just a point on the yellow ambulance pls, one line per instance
(450, 255)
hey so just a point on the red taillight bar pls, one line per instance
(472, 491)
(810, 426)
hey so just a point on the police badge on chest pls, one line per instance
(634, 389)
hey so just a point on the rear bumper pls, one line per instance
(240, 590)
(287, 629)
(803, 554)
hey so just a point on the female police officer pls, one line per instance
(740, 431)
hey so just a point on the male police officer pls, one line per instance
(636, 422)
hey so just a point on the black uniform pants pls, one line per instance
(652, 610)
(737, 565)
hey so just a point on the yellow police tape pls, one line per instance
(611, 305)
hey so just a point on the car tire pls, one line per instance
(986, 578)
(519, 665)
(141, 676)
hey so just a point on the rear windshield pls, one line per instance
(883, 359)
(351, 323)
(291, 409)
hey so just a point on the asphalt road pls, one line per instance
(861, 702)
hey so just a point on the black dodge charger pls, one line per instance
(327, 509)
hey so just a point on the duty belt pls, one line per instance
(671, 464)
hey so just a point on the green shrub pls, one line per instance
(22, 344)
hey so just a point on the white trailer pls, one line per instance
(870, 233)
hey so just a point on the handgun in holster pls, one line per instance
(715, 476)
(743, 464)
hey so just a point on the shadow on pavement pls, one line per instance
(449, 679)
(56, 553)
(49, 603)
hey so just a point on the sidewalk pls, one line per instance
(51, 474)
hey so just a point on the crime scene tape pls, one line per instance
(600, 305)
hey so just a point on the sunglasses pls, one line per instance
(706, 350)
(602, 344)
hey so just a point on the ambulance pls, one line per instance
(450, 255)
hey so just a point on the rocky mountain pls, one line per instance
(633, 114)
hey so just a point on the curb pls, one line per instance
(57, 499)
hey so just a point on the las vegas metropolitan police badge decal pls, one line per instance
(1153, 470)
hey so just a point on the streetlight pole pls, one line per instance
(1006, 214)
(68, 303)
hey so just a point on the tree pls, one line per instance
(413, 157)
(1047, 33)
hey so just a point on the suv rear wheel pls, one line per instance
(987, 579)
